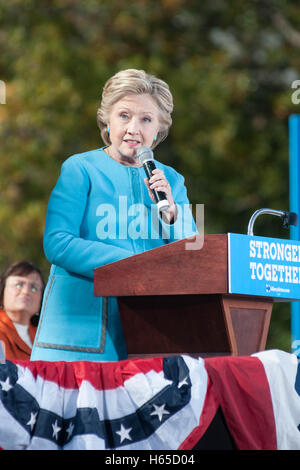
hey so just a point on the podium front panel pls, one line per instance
(174, 325)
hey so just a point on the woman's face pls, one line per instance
(133, 122)
(22, 297)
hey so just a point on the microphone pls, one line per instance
(145, 155)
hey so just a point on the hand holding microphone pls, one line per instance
(159, 188)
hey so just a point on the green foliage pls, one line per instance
(230, 66)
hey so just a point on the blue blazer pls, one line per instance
(99, 212)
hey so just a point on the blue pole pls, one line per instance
(294, 150)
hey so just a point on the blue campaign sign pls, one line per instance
(264, 266)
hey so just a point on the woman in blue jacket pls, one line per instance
(102, 210)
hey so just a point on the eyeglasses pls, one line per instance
(18, 285)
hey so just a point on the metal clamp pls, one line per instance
(289, 218)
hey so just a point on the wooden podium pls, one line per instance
(173, 300)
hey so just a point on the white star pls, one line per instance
(183, 382)
(56, 430)
(32, 420)
(70, 429)
(124, 433)
(5, 385)
(160, 411)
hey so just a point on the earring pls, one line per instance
(155, 138)
(108, 130)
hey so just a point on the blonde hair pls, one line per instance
(132, 81)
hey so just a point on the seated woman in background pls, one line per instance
(21, 291)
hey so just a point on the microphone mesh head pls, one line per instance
(145, 154)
